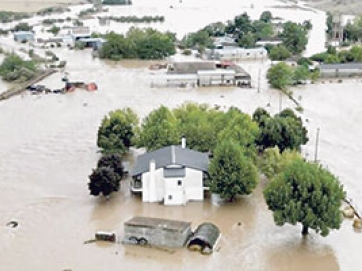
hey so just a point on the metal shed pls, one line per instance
(204, 238)
(156, 231)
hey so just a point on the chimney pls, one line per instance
(183, 142)
(152, 197)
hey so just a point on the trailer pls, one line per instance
(156, 232)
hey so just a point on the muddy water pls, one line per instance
(48, 147)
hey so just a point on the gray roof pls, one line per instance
(207, 233)
(174, 172)
(150, 222)
(171, 155)
(353, 65)
(190, 67)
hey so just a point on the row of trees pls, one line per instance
(242, 146)
(138, 43)
(343, 56)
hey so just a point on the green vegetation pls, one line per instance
(54, 30)
(231, 173)
(279, 52)
(52, 10)
(22, 27)
(104, 181)
(280, 76)
(158, 129)
(138, 43)
(116, 132)
(294, 37)
(308, 194)
(9, 16)
(285, 130)
(14, 69)
(344, 56)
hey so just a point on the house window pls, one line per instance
(169, 197)
(179, 182)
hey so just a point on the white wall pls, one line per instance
(191, 188)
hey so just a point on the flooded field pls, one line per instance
(48, 148)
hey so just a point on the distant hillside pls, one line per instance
(342, 6)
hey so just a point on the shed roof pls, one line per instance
(150, 222)
(171, 155)
(354, 65)
(207, 233)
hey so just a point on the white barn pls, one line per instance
(173, 175)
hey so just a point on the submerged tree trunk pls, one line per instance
(305, 230)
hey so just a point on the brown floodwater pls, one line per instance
(48, 148)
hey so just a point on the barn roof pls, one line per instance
(169, 156)
(354, 65)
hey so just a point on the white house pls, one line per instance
(173, 175)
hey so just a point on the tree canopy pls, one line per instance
(285, 130)
(158, 129)
(113, 161)
(308, 194)
(280, 75)
(116, 132)
(14, 68)
(294, 37)
(231, 173)
(103, 180)
(138, 43)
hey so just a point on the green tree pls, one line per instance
(294, 37)
(199, 39)
(240, 128)
(308, 194)
(23, 27)
(280, 76)
(300, 75)
(199, 124)
(13, 68)
(247, 40)
(158, 129)
(285, 130)
(272, 162)
(116, 132)
(103, 180)
(266, 16)
(231, 173)
(113, 161)
(279, 53)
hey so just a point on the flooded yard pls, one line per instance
(48, 148)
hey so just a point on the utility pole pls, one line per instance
(259, 80)
(316, 146)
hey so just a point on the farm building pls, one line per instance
(190, 67)
(173, 175)
(341, 70)
(23, 36)
(236, 53)
(216, 77)
(202, 73)
(156, 232)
